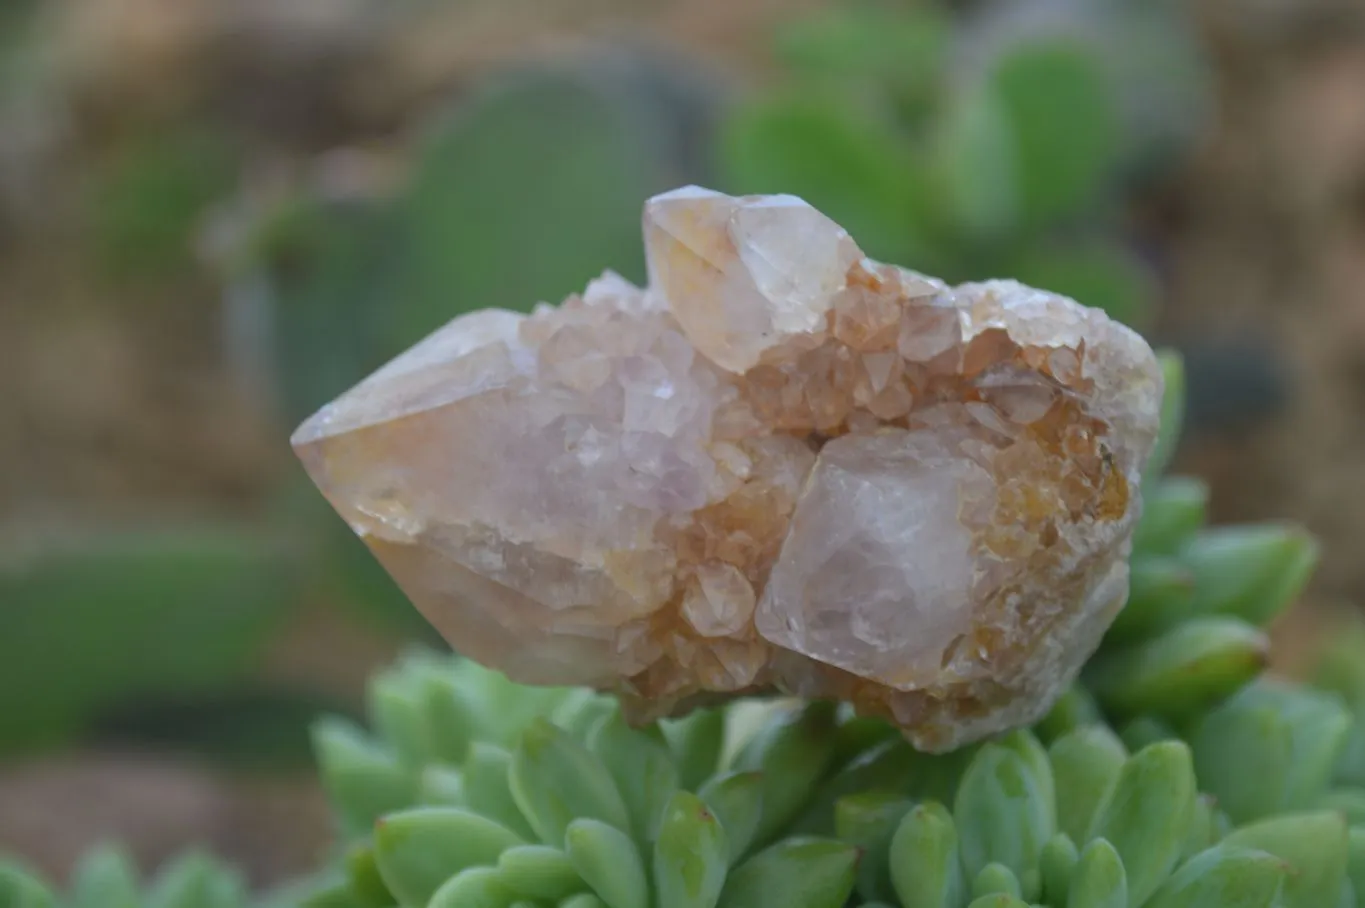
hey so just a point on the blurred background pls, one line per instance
(215, 215)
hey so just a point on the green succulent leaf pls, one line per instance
(487, 787)
(1355, 858)
(1000, 812)
(1160, 591)
(1085, 763)
(555, 781)
(539, 872)
(20, 889)
(196, 880)
(794, 873)
(418, 850)
(105, 877)
(1270, 748)
(793, 754)
(1148, 813)
(869, 820)
(924, 859)
(609, 862)
(691, 856)
(1058, 864)
(996, 878)
(1073, 710)
(1250, 571)
(363, 779)
(1225, 876)
(1181, 673)
(365, 879)
(583, 900)
(697, 742)
(1349, 802)
(1173, 510)
(737, 801)
(1099, 880)
(1314, 845)
(475, 887)
(643, 769)
(1145, 730)
(1172, 416)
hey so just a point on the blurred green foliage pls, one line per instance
(1010, 168)
(130, 614)
(148, 197)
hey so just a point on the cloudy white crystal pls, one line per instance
(781, 466)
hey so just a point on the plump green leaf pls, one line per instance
(737, 801)
(924, 858)
(1355, 858)
(364, 781)
(397, 709)
(555, 780)
(1074, 709)
(1173, 510)
(20, 889)
(1315, 847)
(793, 754)
(869, 820)
(1085, 763)
(996, 878)
(476, 887)
(609, 862)
(1225, 876)
(697, 741)
(1000, 812)
(1349, 802)
(105, 877)
(487, 787)
(1057, 864)
(1175, 676)
(691, 856)
(1099, 880)
(1147, 814)
(195, 880)
(367, 883)
(643, 769)
(1270, 748)
(1172, 416)
(794, 873)
(418, 850)
(976, 166)
(1250, 571)
(1145, 730)
(539, 872)
(1160, 591)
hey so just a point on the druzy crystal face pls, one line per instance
(780, 466)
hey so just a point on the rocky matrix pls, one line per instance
(780, 466)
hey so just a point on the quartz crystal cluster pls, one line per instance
(779, 466)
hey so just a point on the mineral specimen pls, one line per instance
(780, 466)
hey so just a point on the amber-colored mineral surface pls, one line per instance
(780, 466)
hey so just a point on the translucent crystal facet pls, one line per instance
(780, 466)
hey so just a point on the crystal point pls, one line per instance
(780, 466)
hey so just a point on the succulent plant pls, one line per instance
(1173, 774)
